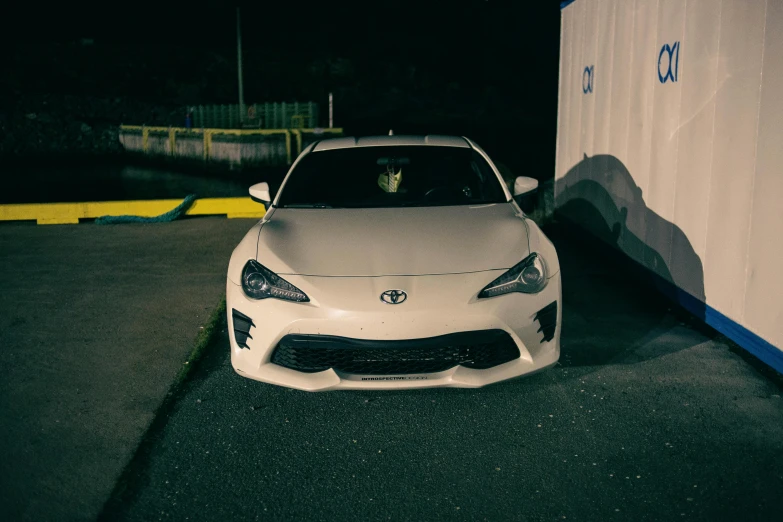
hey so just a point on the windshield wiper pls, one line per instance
(313, 205)
(435, 204)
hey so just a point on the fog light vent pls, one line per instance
(242, 324)
(547, 320)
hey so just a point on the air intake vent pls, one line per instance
(242, 324)
(316, 353)
(547, 320)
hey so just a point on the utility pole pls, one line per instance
(239, 70)
(331, 111)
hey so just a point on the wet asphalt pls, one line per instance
(648, 416)
(96, 322)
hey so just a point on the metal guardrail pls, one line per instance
(293, 138)
(172, 133)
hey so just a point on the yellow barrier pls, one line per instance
(235, 132)
(65, 213)
(208, 134)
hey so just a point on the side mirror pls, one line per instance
(524, 185)
(260, 194)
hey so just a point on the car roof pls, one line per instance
(385, 141)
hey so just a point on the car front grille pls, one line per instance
(316, 353)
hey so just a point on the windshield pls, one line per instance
(394, 176)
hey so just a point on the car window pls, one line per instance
(394, 176)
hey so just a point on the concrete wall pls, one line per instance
(158, 143)
(232, 147)
(670, 148)
(189, 146)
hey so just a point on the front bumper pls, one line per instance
(350, 308)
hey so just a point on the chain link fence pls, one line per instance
(282, 115)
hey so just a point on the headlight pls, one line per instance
(528, 276)
(259, 282)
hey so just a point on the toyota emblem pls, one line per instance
(394, 296)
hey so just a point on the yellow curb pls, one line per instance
(71, 213)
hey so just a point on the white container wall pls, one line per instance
(670, 148)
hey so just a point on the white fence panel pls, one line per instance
(669, 148)
(763, 310)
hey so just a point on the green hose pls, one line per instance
(171, 215)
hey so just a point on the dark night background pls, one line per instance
(649, 414)
(485, 69)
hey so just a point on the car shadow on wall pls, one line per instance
(617, 304)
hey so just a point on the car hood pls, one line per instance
(392, 241)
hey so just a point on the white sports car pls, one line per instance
(393, 262)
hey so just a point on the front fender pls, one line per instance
(246, 249)
(540, 243)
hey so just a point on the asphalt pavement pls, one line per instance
(95, 324)
(648, 416)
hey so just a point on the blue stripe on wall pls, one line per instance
(750, 342)
(566, 3)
